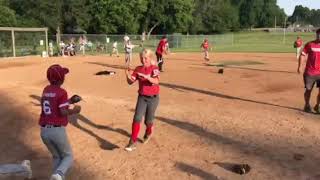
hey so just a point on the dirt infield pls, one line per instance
(249, 114)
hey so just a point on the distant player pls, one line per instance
(115, 49)
(143, 38)
(148, 99)
(312, 70)
(205, 47)
(128, 49)
(53, 120)
(82, 43)
(298, 45)
(161, 50)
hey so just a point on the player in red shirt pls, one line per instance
(161, 49)
(298, 45)
(148, 99)
(312, 70)
(54, 118)
(205, 47)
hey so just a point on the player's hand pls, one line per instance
(144, 76)
(76, 109)
(298, 70)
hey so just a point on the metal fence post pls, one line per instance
(13, 43)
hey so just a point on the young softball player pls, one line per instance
(54, 119)
(161, 49)
(205, 48)
(148, 99)
(128, 48)
(114, 49)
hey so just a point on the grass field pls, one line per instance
(231, 42)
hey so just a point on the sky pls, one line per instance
(289, 5)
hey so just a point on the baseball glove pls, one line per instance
(75, 99)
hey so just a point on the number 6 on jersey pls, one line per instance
(46, 107)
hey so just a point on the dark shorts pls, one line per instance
(146, 107)
(309, 81)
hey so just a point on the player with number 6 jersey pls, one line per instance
(54, 118)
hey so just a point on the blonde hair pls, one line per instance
(148, 53)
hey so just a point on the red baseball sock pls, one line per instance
(135, 131)
(149, 129)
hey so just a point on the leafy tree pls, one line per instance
(7, 16)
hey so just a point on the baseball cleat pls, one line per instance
(146, 138)
(307, 109)
(131, 146)
(56, 177)
(27, 165)
(316, 109)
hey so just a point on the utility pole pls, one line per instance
(275, 22)
(284, 30)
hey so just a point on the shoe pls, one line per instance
(27, 165)
(56, 177)
(146, 138)
(316, 109)
(131, 146)
(307, 109)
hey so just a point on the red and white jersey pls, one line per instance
(145, 87)
(299, 43)
(161, 46)
(53, 99)
(205, 45)
(312, 49)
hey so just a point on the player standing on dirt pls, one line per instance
(161, 49)
(312, 69)
(298, 45)
(115, 49)
(128, 48)
(205, 47)
(53, 120)
(148, 99)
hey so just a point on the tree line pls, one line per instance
(136, 16)
(305, 16)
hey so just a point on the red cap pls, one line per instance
(56, 73)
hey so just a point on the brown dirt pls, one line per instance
(251, 114)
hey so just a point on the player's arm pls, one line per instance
(153, 78)
(64, 103)
(131, 76)
(67, 111)
(302, 57)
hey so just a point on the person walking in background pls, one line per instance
(143, 38)
(115, 49)
(298, 45)
(128, 49)
(161, 50)
(82, 43)
(205, 47)
(312, 69)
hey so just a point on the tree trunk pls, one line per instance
(154, 26)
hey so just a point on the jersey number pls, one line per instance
(46, 107)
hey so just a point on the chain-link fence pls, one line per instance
(30, 43)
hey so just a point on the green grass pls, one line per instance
(247, 42)
(265, 42)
